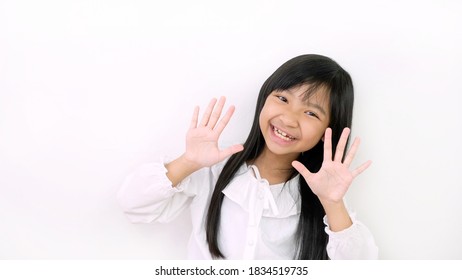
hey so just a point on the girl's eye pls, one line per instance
(312, 114)
(282, 98)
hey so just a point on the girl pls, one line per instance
(255, 204)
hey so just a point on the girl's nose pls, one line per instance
(289, 119)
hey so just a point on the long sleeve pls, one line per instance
(353, 243)
(147, 195)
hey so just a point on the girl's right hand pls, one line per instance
(202, 138)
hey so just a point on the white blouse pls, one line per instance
(258, 220)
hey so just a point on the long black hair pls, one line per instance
(318, 72)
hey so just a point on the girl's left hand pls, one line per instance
(334, 178)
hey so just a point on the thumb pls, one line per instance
(302, 169)
(231, 151)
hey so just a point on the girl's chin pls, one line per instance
(281, 151)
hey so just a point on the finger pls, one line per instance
(208, 112)
(216, 112)
(352, 152)
(231, 151)
(302, 169)
(328, 144)
(194, 118)
(224, 121)
(340, 151)
(360, 169)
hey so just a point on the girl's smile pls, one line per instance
(281, 136)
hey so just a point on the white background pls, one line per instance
(91, 89)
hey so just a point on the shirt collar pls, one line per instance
(247, 188)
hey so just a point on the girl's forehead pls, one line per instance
(309, 93)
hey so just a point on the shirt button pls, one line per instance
(251, 242)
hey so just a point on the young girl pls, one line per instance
(249, 201)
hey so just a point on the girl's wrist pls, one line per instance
(337, 215)
(179, 169)
(332, 204)
(189, 164)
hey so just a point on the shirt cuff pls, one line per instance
(180, 187)
(156, 172)
(342, 234)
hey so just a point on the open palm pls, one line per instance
(202, 138)
(334, 178)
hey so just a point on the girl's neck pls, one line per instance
(274, 168)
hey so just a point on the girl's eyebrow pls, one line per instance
(310, 104)
(317, 106)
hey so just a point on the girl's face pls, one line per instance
(291, 125)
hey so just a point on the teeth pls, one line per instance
(282, 134)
